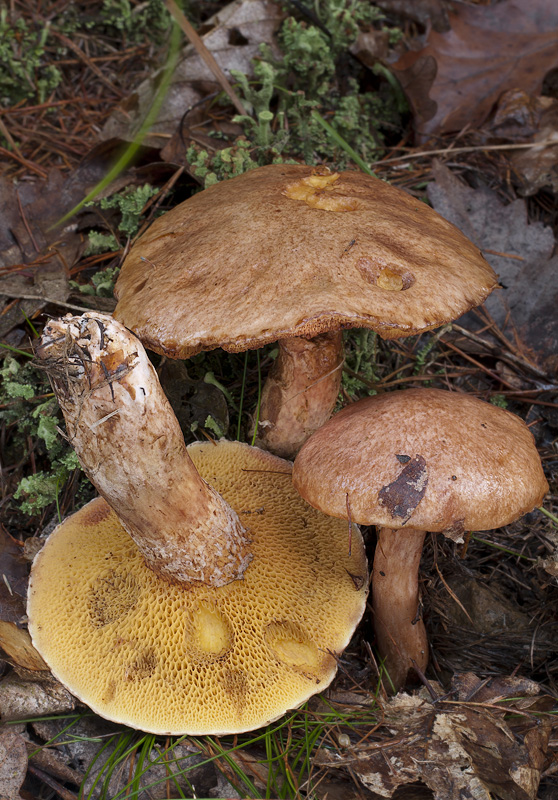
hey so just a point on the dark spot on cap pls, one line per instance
(403, 495)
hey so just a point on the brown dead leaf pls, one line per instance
(486, 609)
(455, 80)
(17, 646)
(526, 304)
(54, 763)
(538, 166)
(427, 12)
(523, 118)
(461, 749)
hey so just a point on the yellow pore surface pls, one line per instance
(172, 659)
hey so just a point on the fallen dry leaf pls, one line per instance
(464, 746)
(18, 649)
(525, 119)
(233, 36)
(538, 166)
(427, 12)
(527, 268)
(455, 80)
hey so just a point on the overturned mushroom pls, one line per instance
(167, 612)
(415, 461)
(294, 254)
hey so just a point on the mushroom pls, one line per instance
(168, 604)
(294, 254)
(414, 461)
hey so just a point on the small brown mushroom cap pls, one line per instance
(422, 458)
(186, 658)
(284, 251)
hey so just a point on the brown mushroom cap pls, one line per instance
(284, 251)
(425, 459)
(186, 658)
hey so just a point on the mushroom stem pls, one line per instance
(300, 391)
(399, 629)
(130, 446)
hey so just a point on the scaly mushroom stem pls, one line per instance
(300, 391)
(131, 448)
(399, 629)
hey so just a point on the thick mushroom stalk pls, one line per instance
(131, 448)
(300, 392)
(400, 631)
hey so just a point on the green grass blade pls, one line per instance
(151, 116)
(343, 144)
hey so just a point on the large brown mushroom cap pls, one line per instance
(186, 658)
(422, 458)
(284, 251)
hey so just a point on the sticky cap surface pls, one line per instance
(422, 458)
(286, 251)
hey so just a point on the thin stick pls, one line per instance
(29, 164)
(42, 299)
(206, 56)
(452, 150)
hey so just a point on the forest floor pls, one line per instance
(110, 115)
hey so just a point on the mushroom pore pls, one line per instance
(165, 612)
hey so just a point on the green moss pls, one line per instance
(311, 76)
(24, 73)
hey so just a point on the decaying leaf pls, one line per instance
(15, 642)
(13, 764)
(465, 745)
(538, 166)
(522, 118)
(427, 12)
(233, 37)
(527, 267)
(455, 80)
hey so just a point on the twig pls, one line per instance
(25, 223)
(475, 149)
(493, 375)
(87, 61)
(504, 356)
(40, 298)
